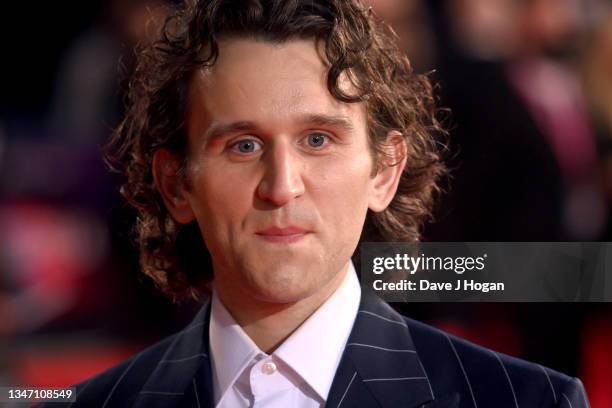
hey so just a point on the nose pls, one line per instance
(282, 180)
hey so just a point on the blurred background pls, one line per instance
(529, 84)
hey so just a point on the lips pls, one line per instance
(281, 231)
(282, 234)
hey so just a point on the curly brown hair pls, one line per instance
(355, 43)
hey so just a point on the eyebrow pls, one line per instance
(341, 122)
(216, 130)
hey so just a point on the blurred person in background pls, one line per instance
(411, 23)
(542, 75)
(525, 162)
(482, 29)
(87, 99)
(597, 76)
(522, 125)
(64, 249)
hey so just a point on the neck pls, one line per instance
(269, 324)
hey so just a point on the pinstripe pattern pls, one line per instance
(507, 377)
(569, 403)
(428, 382)
(394, 379)
(401, 323)
(173, 394)
(195, 393)
(467, 380)
(549, 383)
(347, 388)
(180, 360)
(380, 348)
(390, 361)
(110, 394)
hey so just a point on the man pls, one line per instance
(281, 132)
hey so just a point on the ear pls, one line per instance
(171, 185)
(386, 180)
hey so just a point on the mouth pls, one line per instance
(282, 235)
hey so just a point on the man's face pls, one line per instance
(279, 171)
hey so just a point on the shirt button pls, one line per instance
(268, 368)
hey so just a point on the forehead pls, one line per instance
(268, 83)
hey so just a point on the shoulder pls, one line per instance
(487, 377)
(121, 382)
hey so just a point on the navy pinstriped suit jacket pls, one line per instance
(389, 361)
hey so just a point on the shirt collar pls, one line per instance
(315, 348)
(231, 349)
(313, 351)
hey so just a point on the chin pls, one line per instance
(284, 297)
(285, 284)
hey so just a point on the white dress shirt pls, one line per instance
(299, 373)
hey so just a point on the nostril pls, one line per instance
(282, 180)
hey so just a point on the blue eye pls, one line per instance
(246, 146)
(316, 139)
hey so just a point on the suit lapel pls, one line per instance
(183, 375)
(380, 365)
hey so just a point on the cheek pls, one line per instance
(342, 190)
(221, 202)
